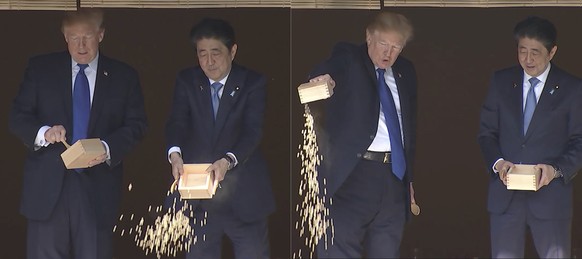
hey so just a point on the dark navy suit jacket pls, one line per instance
(348, 121)
(238, 129)
(117, 117)
(554, 137)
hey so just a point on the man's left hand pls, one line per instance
(412, 200)
(98, 160)
(548, 173)
(219, 169)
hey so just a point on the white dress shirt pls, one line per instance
(381, 142)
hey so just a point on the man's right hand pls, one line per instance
(502, 168)
(55, 134)
(325, 77)
(177, 165)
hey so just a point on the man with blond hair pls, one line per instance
(64, 97)
(368, 140)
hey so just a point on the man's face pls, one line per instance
(83, 41)
(384, 47)
(215, 58)
(533, 56)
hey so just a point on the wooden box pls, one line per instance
(523, 177)
(196, 183)
(84, 150)
(313, 91)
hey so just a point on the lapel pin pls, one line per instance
(555, 88)
(514, 85)
(399, 75)
(105, 73)
(200, 88)
(234, 91)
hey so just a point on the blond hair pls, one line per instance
(92, 16)
(388, 21)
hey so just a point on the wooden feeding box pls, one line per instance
(84, 150)
(196, 183)
(523, 177)
(313, 91)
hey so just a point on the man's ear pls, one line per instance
(233, 51)
(101, 34)
(553, 52)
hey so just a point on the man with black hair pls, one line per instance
(532, 115)
(217, 117)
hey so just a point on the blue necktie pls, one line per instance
(216, 86)
(393, 124)
(81, 104)
(530, 104)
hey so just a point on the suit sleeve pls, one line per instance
(336, 65)
(488, 137)
(23, 121)
(254, 117)
(123, 139)
(571, 160)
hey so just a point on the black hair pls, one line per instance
(210, 28)
(537, 28)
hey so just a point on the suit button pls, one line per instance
(358, 155)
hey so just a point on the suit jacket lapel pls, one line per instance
(65, 75)
(102, 84)
(200, 98)
(402, 94)
(545, 100)
(372, 92)
(229, 95)
(515, 98)
(371, 71)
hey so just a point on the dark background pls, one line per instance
(156, 43)
(455, 51)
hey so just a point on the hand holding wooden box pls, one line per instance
(196, 183)
(79, 154)
(523, 177)
(313, 91)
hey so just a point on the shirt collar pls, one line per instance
(388, 70)
(222, 81)
(542, 77)
(93, 64)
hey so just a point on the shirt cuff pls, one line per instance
(107, 150)
(494, 164)
(231, 155)
(40, 141)
(172, 150)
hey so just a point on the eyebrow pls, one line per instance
(213, 49)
